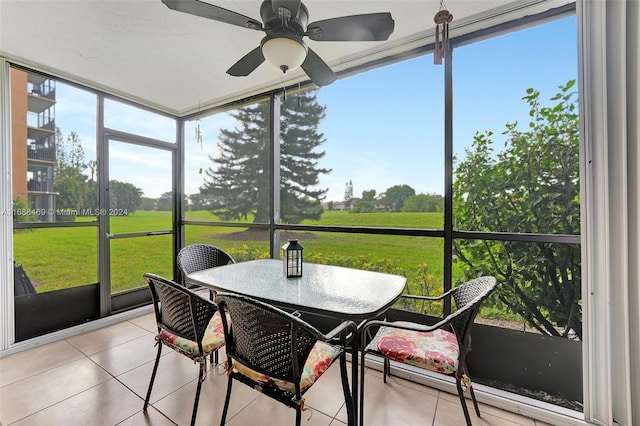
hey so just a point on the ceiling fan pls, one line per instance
(285, 23)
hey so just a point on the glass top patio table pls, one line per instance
(327, 290)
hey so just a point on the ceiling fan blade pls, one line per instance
(247, 63)
(317, 69)
(292, 5)
(207, 10)
(368, 27)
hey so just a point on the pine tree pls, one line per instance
(239, 185)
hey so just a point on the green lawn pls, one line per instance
(65, 257)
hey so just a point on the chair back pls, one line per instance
(265, 338)
(197, 257)
(179, 310)
(467, 298)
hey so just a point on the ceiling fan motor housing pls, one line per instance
(274, 22)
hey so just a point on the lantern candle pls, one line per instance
(292, 257)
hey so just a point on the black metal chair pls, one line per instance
(187, 323)
(442, 347)
(279, 354)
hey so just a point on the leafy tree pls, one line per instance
(91, 199)
(165, 202)
(148, 204)
(71, 186)
(369, 195)
(393, 198)
(93, 167)
(366, 204)
(239, 184)
(348, 194)
(124, 195)
(69, 178)
(424, 203)
(200, 200)
(530, 187)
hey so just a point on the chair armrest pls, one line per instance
(411, 325)
(428, 298)
(349, 326)
(404, 325)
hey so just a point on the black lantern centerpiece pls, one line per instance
(292, 257)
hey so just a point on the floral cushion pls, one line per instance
(433, 350)
(213, 338)
(320, 358)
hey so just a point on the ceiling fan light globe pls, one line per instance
(285, 53)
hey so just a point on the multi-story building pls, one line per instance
(33, 99)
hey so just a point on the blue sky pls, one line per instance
(398, 120)
(382, 128)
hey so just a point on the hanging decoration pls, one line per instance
(442, 19)
(199, 136)
(198, 131)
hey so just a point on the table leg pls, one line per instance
(355, 344)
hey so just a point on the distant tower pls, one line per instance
(348, 195)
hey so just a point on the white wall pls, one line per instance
(610, 178)
(6, 216)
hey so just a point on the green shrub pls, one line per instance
(22, 212)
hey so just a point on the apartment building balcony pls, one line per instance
(40, 185)
(41, 153)
(41, 87)
(39, 103)
(40, 125)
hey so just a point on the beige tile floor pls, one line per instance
(101, 377)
